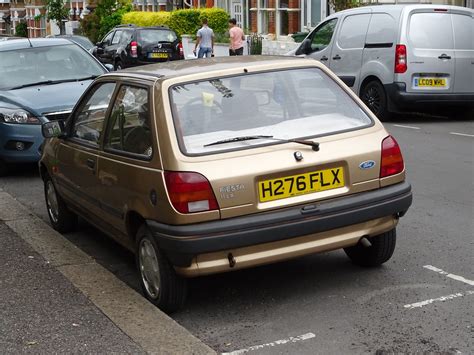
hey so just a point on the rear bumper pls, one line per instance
(183, 243)
(401, 99)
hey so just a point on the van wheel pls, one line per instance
(62, 219)
(118, 65)
(158, 279)
(379, 252)
(374, 96)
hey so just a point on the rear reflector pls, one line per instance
(134, 49)
(392, 159)
(190, 192)
(400, 59)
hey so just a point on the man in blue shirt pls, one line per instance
(205, 40)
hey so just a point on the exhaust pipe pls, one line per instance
(365, 242)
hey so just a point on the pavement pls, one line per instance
(56, 299)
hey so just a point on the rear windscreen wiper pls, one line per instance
(52, 82)
(314, 145)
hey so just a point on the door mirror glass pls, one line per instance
(305, 47)
(109, 67)
(53, 129)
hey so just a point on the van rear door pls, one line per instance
(346, 54)
(429, 51)
(463, 24)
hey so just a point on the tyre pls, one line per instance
(62, 219)
(159, 282)
(3, 168)
(118, 65)
(374, 96)
(382, 249)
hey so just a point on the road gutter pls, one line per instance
(145, 324)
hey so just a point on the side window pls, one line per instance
(89, 119)
(108, 38)
(353, 31)
(431, 31)
(322, 36)
(382, 30)
(129, 128)
(463, 32)
(126, 37)
(117, 36)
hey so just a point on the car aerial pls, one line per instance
(41, 80)
(81, 40)
(223, 164)
(400, 57)
(128, 46)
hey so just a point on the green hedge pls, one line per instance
(181, 21)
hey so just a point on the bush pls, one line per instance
(186, 21)
(147, 19)
(21, 30)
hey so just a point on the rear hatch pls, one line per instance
(430, 55)
(156, 45)
(254, 139)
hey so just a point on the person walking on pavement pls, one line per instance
(205, 40)
(237, 37)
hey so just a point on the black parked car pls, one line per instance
(128, 45)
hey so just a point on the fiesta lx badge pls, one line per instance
(368, 164)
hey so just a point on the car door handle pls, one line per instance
(90, 164)
(444, 56)
(336, 57)
(324, 58)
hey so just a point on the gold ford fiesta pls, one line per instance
(209, 166)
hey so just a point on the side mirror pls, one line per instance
(305, 47)
(53, 129)
(109, 67)
(99, 44)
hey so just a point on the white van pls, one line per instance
(400, 57)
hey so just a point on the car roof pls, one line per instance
(23, 43)
(133, 27)
(177, 68)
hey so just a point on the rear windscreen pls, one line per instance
(285, 104)
(431, 31)
(146, 37)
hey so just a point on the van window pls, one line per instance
(463, 32)
(353, 31)
(322, 36)
(431, 31)
(382, 29)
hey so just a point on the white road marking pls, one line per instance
(403, 126)
(439, 299)
(272, 344)
(451, 276)
(461, 134)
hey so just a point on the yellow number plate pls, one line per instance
(158, 55)
(430, 82)
(301, 184)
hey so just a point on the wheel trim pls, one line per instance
(52, 201)
(373, 99)
(149, 268)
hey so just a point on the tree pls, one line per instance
(106, 16)
(339, 5)
(57, 11)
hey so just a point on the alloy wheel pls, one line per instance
(52, 201)
(149, 268)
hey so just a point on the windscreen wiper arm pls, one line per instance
(314, 145)
(52, 82)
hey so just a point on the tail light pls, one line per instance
(392, 159)
(190, 192)
(181, 51)
(400, 59)
(134, 49)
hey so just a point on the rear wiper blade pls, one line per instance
(313, 145)
(52, 82)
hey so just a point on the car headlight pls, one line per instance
(17, 115)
